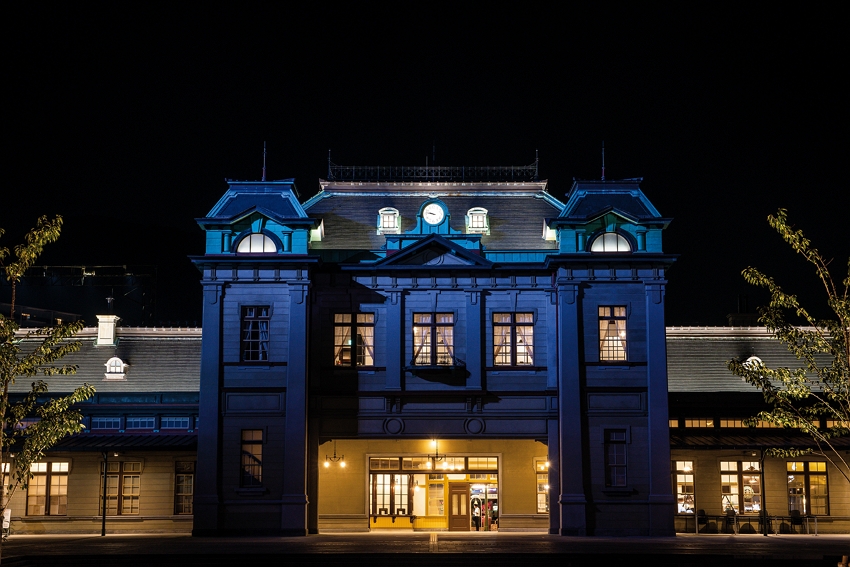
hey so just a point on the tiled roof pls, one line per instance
(696, 357)
(516, 221)
(157, 363)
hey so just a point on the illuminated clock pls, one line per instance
(433, 213)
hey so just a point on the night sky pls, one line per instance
(127, 119)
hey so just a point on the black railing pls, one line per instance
(431, 173)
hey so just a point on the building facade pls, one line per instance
(482, 354)
(141, 425)
(447, 349)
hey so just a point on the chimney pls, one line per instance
(106, 335)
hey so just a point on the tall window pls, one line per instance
(513, 339)
(123, 488)
(684, 487)
(47, 494)
(184, 487)
(433, 339)
(615, 457)
(255, 334)
(252, 458)
(256, 243)
(542, 468)
(807, 488)
(740, 486)
(612, 333)
(354, 339)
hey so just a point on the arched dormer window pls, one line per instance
(256, 243)
(609, 242)
(477, 221)
(389, 221)
(115, 368)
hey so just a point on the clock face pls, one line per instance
(433, 213)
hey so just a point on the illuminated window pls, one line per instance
(47, 494)
(684, 487)
(807, 488)
(433, 339)
(184, 487)
(123, 488)
(115, 368)
(513, 339)
(256, 243)
(673, 423)
(255, 334)
(740, 486)
(699, 423)
(612, 333)
(389, 221)
(354, 339)
(252, 458)
(542, 468)
(610, 242)
(615, 457)
(477, 221)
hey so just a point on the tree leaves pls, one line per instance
(819, 390)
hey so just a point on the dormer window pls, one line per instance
(115, 368)
(256, 243)
(609, 242)
(389, 221)
(477, 221)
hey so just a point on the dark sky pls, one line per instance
(127, 120)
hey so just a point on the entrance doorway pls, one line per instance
(459, 520)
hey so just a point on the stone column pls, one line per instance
(572, 501)
(207, 498)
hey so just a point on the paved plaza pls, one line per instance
(413, 549)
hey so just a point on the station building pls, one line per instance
(427, 349)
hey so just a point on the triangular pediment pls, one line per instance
(433, 252)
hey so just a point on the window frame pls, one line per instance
(741, 473)
(120, 491)
(356, 323)
(55, 487)
(684, 475)
(477, 221)
(513, 344)
(251, 459)
(265, 241)
(616, 458)
(430, 339)
(608, 347)
(604, 239)
(253, 346)
(184, 500)
(389, 221)
(806, 491)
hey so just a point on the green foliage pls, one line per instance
(820, 388)
(33, 425)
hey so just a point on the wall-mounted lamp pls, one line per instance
(335, 459)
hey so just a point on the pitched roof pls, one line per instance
(159, 361)
(696, 357)
(516, 212)
(589, 199)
